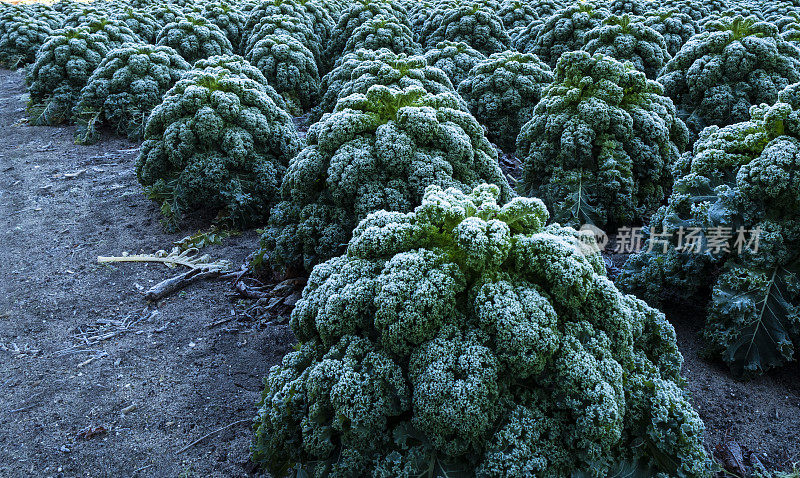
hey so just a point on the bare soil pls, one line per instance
(156, 385)
(761, 416)
(157, 377)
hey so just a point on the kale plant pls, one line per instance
(466, 338)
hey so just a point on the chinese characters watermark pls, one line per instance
(690, 240)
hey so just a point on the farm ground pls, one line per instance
(177, 379)
(158, 377)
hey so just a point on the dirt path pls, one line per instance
(158, 384)
(761, 416)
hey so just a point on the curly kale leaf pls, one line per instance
(228, 18)
(20, 39)
(382, 31)
(739, 196)
(754, 318)
(475, 24)
(62, 68)
(115, 31)
(627, 38)
(357, 72)
(194, 38)
(289, 67)
(719, 74)
(126, 86)
(219, 143)
(563, 31)
(378, 150)
(285, 25)
(359, 13)
(143, 24)
(467, 338)
(601, 143)
(676, 28)
(502, 92)
(516, 16)
(455, 59)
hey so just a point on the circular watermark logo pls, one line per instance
(593, 240)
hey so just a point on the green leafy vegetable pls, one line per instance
(466, 338)
(601, 143)
(218, 143)
(377, 150)
(739, 192)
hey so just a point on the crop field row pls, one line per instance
(401, 238)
